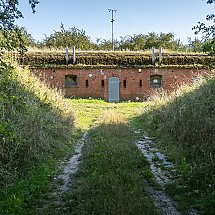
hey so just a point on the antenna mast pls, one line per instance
(112, 20)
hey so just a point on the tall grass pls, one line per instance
(36, 128)
(185, 125)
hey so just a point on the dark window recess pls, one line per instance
(140, 83)
(156, 81)
(71, 81)
(124, 83)
(87, 83)
(103, 83)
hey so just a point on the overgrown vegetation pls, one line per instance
(184, 125)
(125, 59)
(36, 129)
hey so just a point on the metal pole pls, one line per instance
(153, 55)
(74, 54)
(67, 55)
(112, 20)
(160, 55)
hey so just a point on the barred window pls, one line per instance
(156, 81)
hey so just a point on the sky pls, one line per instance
(132, 17)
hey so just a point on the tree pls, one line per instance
(147, 41)
(9, 12)
(17, 38)
(71, 37)
(208, 31)
(195, 45)
(209, 46)
(10, 33)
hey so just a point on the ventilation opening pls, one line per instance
(156, 81)
(124, 83)
(71, 81)
(103, 83)
(87, 83)
(140, 83)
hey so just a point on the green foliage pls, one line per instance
(36, 128)
(195, 45)
(207, 30)
(184, 124)
(68, 38)
(141, 42)
(209, 46)
(11, 36)
(9, 12)
(15, 39)
(206, 46)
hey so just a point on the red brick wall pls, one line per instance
(171, 78)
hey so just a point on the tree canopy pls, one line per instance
(207, 30)
(9, 12)
(71, 37)
(11, 36)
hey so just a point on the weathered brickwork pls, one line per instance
(134, 83)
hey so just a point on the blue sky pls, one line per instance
(132, 17)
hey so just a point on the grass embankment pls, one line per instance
(184, 124)
(35, 134)
(111, 177)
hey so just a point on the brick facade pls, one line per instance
(134, 83)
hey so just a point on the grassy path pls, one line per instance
(110, 177)
(112, 169)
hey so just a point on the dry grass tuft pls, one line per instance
(112, 117)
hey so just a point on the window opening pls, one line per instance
(156, 81)
(71, 81)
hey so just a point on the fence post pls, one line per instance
(160, 55)
(67, 56)
(74, 54)
(153, 55)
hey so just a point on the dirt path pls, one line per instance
(62, 180)
(161, 169)
(70, 167)
(159, 166)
